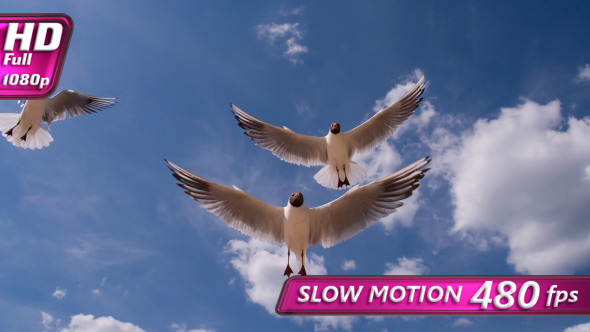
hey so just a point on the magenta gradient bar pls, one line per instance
(32, 73)
(435, 295)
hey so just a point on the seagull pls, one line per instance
(334, 150)
(296, 225)
(25, 129)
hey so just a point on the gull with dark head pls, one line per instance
(334, 150)
(295, 224)
(25, 129)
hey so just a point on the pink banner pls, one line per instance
(33, 49)
(435, 295)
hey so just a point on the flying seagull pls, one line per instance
(25, 129)
(334, 150)
(297, 225)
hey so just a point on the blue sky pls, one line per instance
(94, 232)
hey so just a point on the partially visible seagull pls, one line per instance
(335, 149)
(25, 129)
(297, 225)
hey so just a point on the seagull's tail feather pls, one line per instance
(37, 138)
(356, 173)
(328, 176)
(7, 122)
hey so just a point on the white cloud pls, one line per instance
(418, 121)
(349, 265)
(290, 33)
(328, 323)
(520, 177)
(422, 116)
(87, 323)
(406, 266)
(304, 110)
(261, 266)
(59, 293)
(385, 159)
(583, 73)
(182, 328)
(46, 320)
(97, 291)
(398, 91)
(404, 216)
(382, 161)
(578, 328)
(274, 31)
(294, 49)
(462, 322)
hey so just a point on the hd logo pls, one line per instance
(34, 48)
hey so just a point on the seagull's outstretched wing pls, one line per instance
(239, 210)
(74, 103)
(356, 210)
(379, 127)
(283, 142)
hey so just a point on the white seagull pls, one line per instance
(297, 225)
(335, 149)
(25, 129)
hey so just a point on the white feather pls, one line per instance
(299, 227)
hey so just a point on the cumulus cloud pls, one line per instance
(182, 328)
(423, 114)
(87, 323)
(261, 265)
(406, 266)
(289, 33)
(381, 162)
(583, 74)
(46, 320)
(523, 179)
(462, 322)
(349, 265)
(385, 159)
(578, 328)
(59, 293)
(399, 90)
(418, 121)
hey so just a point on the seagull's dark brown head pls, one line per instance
(335, 128)
(296, 199)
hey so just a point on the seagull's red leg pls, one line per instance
(9, 133)
(345, 178)
(24, 137)
(340, 183)
(302, 271)
(288, 270)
